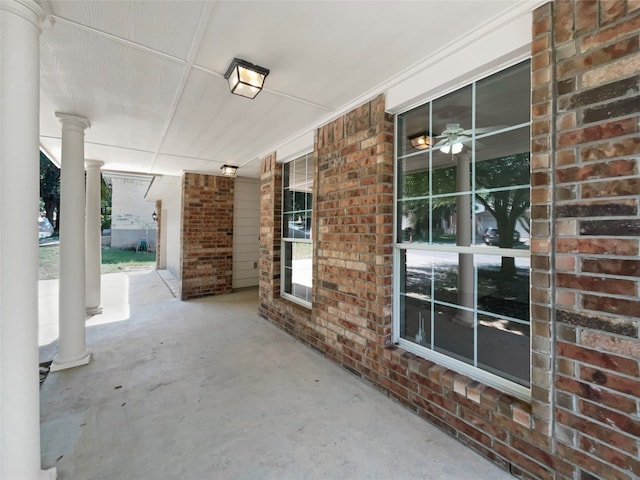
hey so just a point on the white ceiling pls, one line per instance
(149, 74)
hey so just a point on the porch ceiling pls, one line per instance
(149, 75)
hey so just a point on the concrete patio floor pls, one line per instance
(206, 389)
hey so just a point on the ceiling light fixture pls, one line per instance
(455, 148)
(229, 170)
(245, 79)
(420, 141)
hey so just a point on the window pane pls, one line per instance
(503, 286)
(415, 304)
(503, 348)
(298, 269)
(453, 332)
(452, 119)
(503, 99)
(410, 124)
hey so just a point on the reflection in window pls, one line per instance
(463, 260)
(297, 186)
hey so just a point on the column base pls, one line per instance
(62, 364)
(91, 311)
(49, 474)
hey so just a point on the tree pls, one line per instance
(50, 189)
(508, 206)
(494, 182)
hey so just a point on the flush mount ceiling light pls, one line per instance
(420, 141)
(229, 170)
(245, 79)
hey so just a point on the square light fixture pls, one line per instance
(229, 170)
(245, 79)
(420, 141)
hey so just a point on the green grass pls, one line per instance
(113, 260)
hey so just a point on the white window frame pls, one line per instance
(483, 376)
(291, 240)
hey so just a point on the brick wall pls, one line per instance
(582, 420)
(593, 57)
(207, 235)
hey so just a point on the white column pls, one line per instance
(19, 174)
(463, 238)
(93, 237)
(72, 347)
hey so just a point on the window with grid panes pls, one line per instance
(462, 246)
(297, 185)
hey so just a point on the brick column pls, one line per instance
(207, 235)
(353, 199)
(595, 59)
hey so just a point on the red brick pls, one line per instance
(627, 463)
(602, 341)
(598, 245)
(617, 148)
(597, 284)
(583, 425)
(611, 33)
(625, 366)
(603, 131)
(629, 386)
(598, 394)
(611, 10)
(563, 21)
(613, 305)
(598, 57)
(623, 422)
(586, 15)
(590, 464)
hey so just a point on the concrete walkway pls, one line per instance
(206, 389)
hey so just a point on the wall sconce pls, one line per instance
(245, 79)
(420, 141)
(229, 170)
(154, 215)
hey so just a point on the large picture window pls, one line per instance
(297, 185)
(462, 247)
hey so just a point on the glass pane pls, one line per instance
(453, 332)
(445, 178)
(451, 220)
(413, 123)
(503, 348)
(415, 305)
(513, 229)
(298, 175)
(416, 322)
(417, 275)
(452, 121)
(454, 278)
(503, 285)
(502, 160)
(298, 269)
(413, 177)
(287, 201)
(503, 99)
